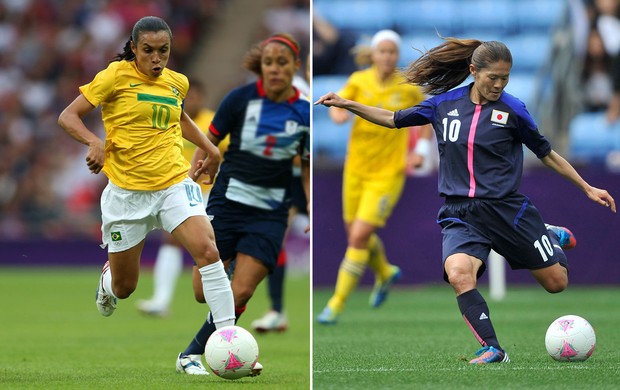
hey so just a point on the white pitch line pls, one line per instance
(427, 369)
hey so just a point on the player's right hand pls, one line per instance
(95, 157)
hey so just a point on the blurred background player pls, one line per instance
(169, 261)
(269, 124)
(374, 172)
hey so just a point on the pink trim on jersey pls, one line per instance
(470, 150)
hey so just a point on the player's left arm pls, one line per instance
(556, 162)
(207, 156)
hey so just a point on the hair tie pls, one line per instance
(287, 42)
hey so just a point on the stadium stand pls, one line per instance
(593, 139)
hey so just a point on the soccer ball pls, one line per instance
(231, 352)
(570, 338)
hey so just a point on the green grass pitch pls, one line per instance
(418, 340)
(53, 337)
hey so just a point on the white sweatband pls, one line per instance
(422, 147)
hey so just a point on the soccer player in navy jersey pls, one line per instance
(480, 131)
(269, 125)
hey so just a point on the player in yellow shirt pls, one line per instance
(374, 172)
(169, 260)
(149, 186)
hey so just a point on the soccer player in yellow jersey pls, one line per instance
(149, 186)
(374, 172)
(169, 260)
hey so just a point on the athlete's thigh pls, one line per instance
(351, 195)
(126, 217)
(125, 265)
(249, 272)
(262, 240)
(359, 233)
(519, 234)
(179, 203)
(461, 234)
(197, 236)
(553, 278)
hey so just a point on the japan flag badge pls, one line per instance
(500, 117)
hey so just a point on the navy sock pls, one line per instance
(197, 345)
(476, 314)
(276, 287)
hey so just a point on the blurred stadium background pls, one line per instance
(49, 202)
(553, 58)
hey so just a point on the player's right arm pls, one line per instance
(71, 121)
(376, 115)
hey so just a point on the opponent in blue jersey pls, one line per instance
(269, 123)
(480, 132)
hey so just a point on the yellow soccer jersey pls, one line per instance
(141, 116)
(203, 120)
(374, 151)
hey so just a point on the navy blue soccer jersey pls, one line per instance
(265, 136)
(480, 146)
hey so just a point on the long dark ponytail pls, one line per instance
(447, 65)
(146, 24)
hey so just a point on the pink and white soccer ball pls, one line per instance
(231, 352)
(570, 338)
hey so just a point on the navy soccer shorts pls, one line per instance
(248, 230)
(511, 226)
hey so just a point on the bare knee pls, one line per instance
(555, 285)
(122, 290)
(460, 280)
(206, 255)
(358, 241)
(359, 233)
(242, 295)
(554, 279)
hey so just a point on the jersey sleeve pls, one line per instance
(527, 131)
(102, 86)
(533, 139)
(223, 120)
(418, 115)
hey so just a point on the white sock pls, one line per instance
(218, 294)
(168, 267)
(107, 282)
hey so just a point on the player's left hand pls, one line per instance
(414, 160)
(602, 197)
